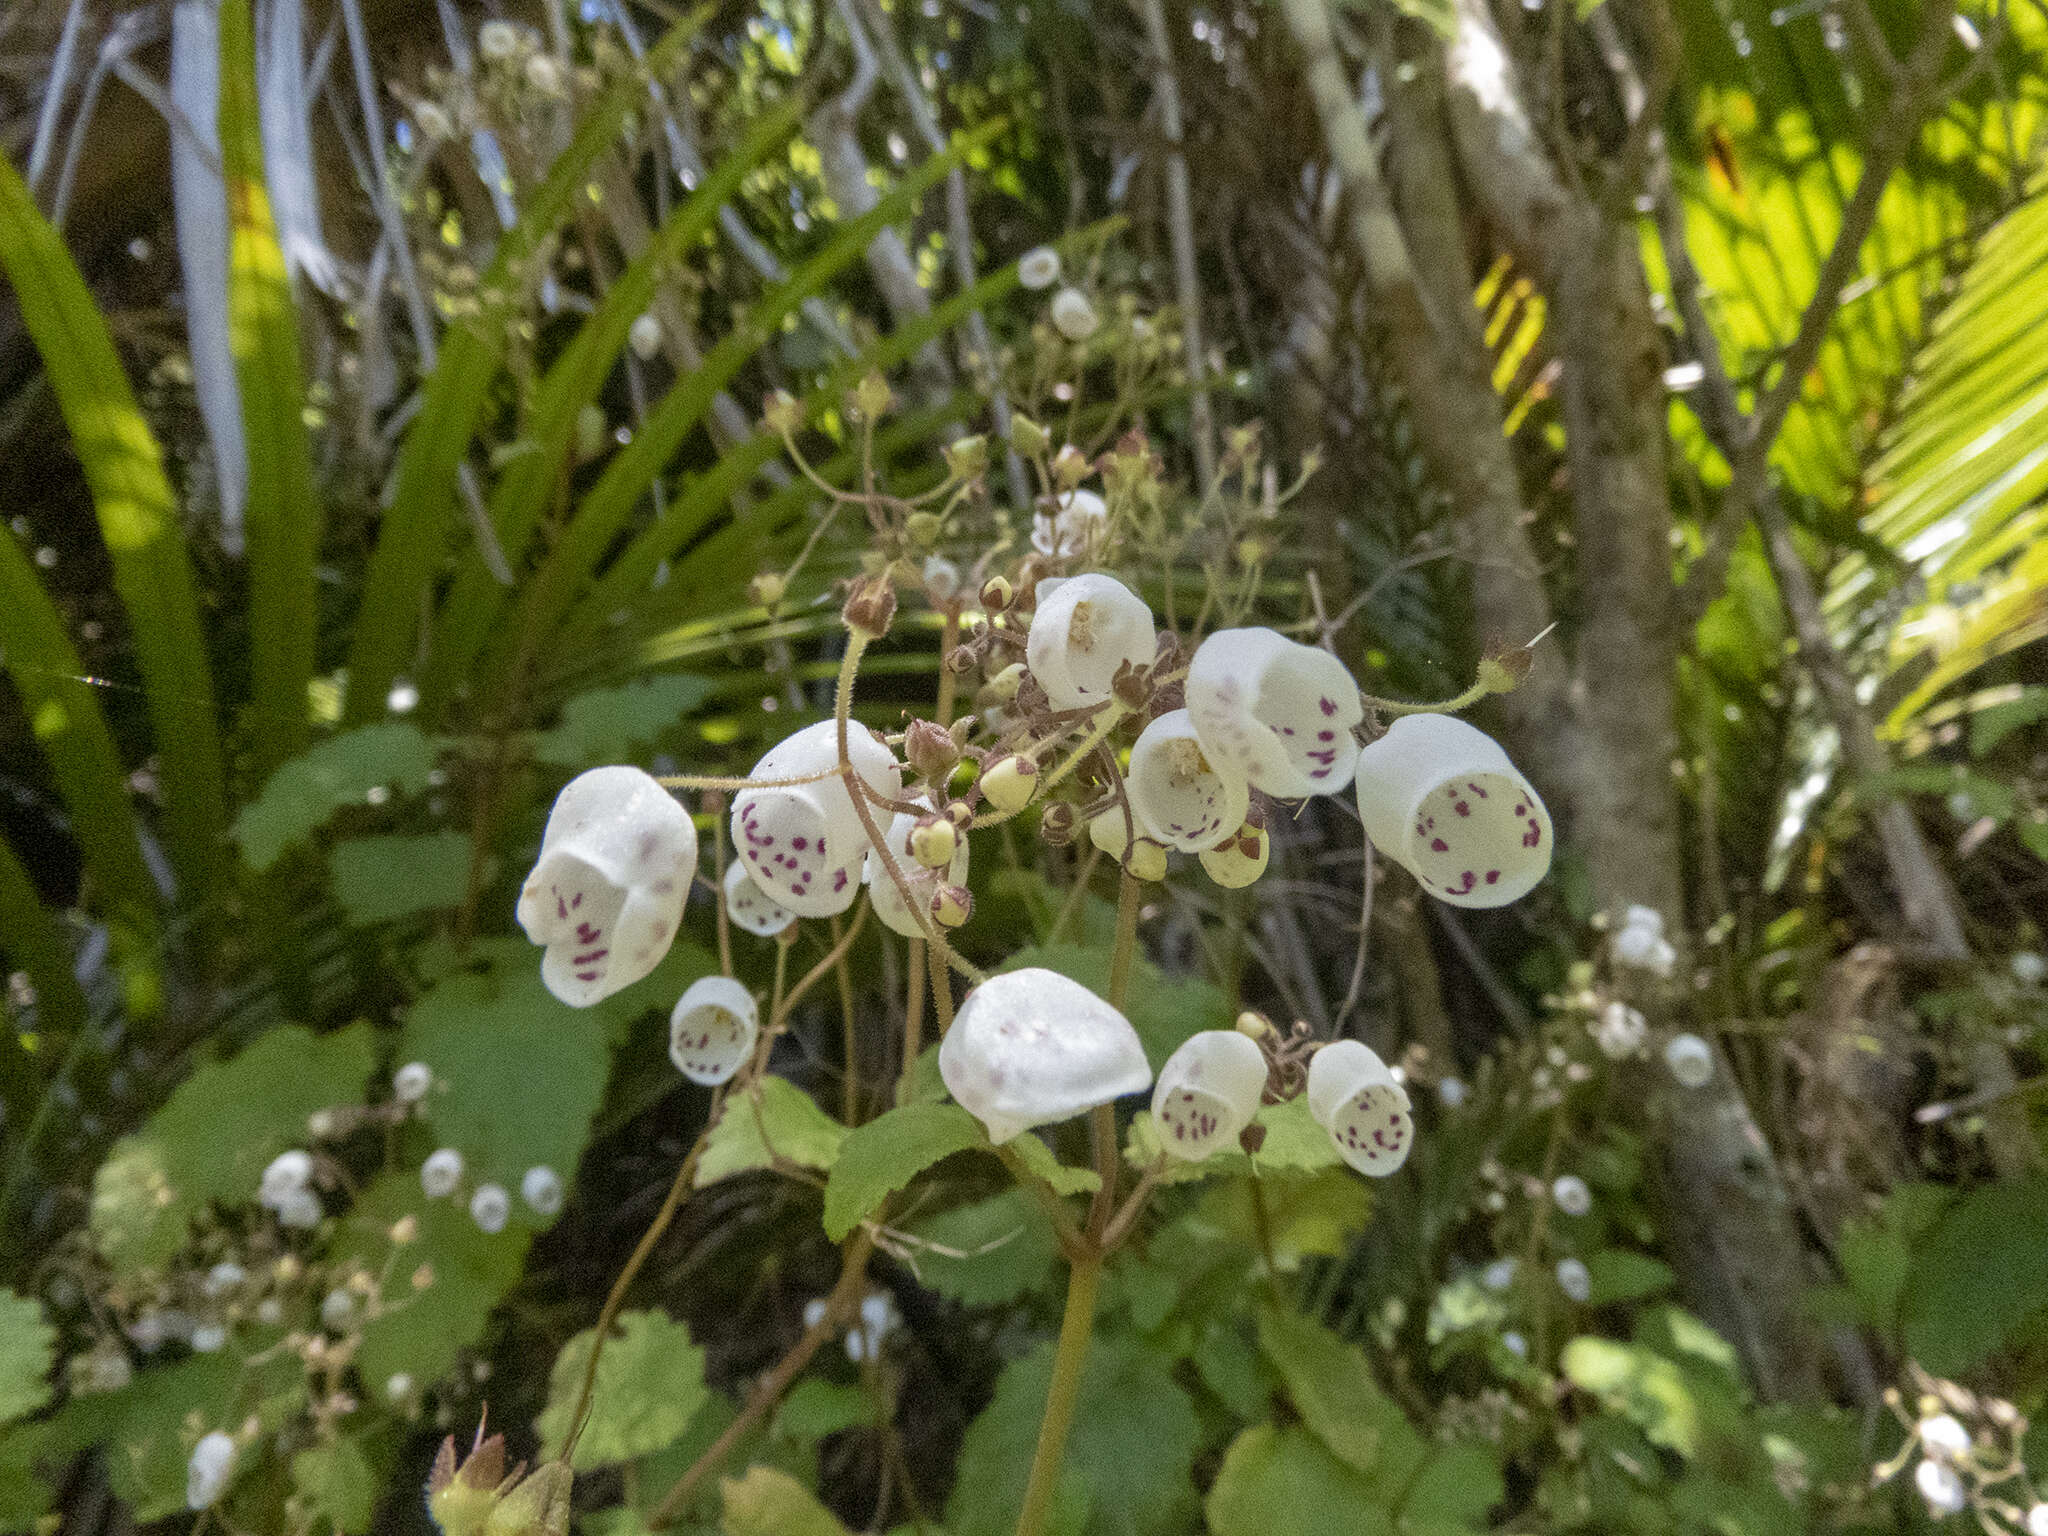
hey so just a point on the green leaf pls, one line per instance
(609, 724)
(1619, 1275)
(650, 1382)
(1295, 1142)
(28, 1345)
(377, 879)
(1038, 1158)
(337, 1484)
(138, 518)
(1304, 1215)
(1333, 1389)
(1978, 1275)
(282, 510)
(816, 1408)
(774, 1119)
(1128, 1457)
(1991, 725)
(1285, 1482)
(879, 1158)
(1640, 1385)
(766, 1502)
(213, 1139)
(302, 794)
(1001, 1249)
(32, 940)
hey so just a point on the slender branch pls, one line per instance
(1069, 1357)
(1180, 229)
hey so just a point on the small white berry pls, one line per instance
(490, 1207)
(441, 1172)
(542, 1190)
(411, 1082)
(1571, 1195)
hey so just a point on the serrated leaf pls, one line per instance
(766, 1502)
(879, 1158)
(1128, 1456)
(302, 794)
(607, 725)
(27, 1346)
(1038, 1157)
(1619, 1275)
(212, 1140)
(1002, 1248)
(337, 1484)
(1285, 1482)
(773, 1119)
(650, 1382)
(1333, 1389)
(1978, 1275)
(377, 879)
(1305, 1215)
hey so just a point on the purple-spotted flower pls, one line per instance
(1178, 794)
(712, 1030)
(1208, 1092)
(1275, 712)
(804, 843)
(1032, 1047)
(1085, 629)
(1440, 798)
(1355, 1097)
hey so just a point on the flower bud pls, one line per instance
(1177, 795)
(1070, 467)
(1027, 436)
(1207, 1093)
(1620, 1031)
(752, 908)
(870, 607)
(1504, 673)
(924, 528)
(712, 1029)
(871, 397)
(933, 842)
(966, 457)
(1356, 1099)
(996, 594)
(952, 906)
(607, 894)
(961, 814)
(931, 751)
(900, 850)
(1239, 860)
(782, 413)
(1274, 711)
(1091, 626)
(440, 1173)
(287, 1174)
(1009, 783)
(1079, 522)
(1569, 1193)
(1073, 316)
(1058, 824)
(767, 589)
(961, 660)
(1038, 267)
(644, 337)
(1147, 859)
(1442, 800)
(1004, 685)
(410, 1083)
(1032, 1047)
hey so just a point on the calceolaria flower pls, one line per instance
(1079, 522)
(1440, 798)
(1276, 712)
(1353, 1096)
(804, 843)
(712, 1030)
(1146, 859)
(750, 907)
(1031, 1047)
(1086, 628)
(1208, 1092)
(1181, 798)
(607, 895)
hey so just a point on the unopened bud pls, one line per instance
(933, 841)
(1505, 672)
(996, 594)
(1027, 436)
(871, 397)
(1070, 467)
(1254, 1024)
(1004, 685)
(960, 813)
(1253, 551)
(924, 528)
(967, 457)
(1010, 783)
(952, 905)
(767, 589)
(961, 660)
(782, 413)
(871, 608)
(1059, 823)
(930, 750)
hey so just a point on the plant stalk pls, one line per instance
(1077, 1327)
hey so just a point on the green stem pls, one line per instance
(1076, 1328)
(1451, 706)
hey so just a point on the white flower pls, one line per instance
(1073, 316)
(1178, 795)
(1107, 832)
(544, 75)
(301, 1210)
(1452, 1092)
(209, 1338)
(288, 1173)
(1941, 1486)
(224, 1277)
(607, 894)
(2037, 1520)
(1208, 1092)
(1079, 523)
(804, 843)
(411, 1082)
(644, 337)
(1441, 799)
(814, 1311)
(1571, 1195)
(1636, 915)
(206, 1474)
(1274, 711)
(1239, 860)
(440, 1173)
(2029, 969)
(1039, 267)
(433, 123)
(878, 1319)
(270, 1311)
(1031, 1047)
(712, 1029)
(1088, 628)
(924, 883)
(941, 579)
(1690, 1060)
(541, 1189)
(1639, 943)
(1574, 1279)
(1356, 1099)
(336, 1308)
(749, 906)
(397, 1387)
(490, 1207)
(497, 40)
(1498, 1275)
(1621, 1030)
(1944, 1436)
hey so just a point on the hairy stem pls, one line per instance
(1076, 1328)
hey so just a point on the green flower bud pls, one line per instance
(1010, 783)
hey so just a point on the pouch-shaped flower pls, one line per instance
(1083, 631)
(1277, 712)
(1032, 1047)
(607, 893)
(712, 1030)
(883, 892)
(1355, 1098)
(803, 843)
(1081, 517)
(1440, 798)
(750, 906)
(1178, 794)
(1208, 1092)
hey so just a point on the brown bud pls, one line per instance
(1132, 686)
(961, 660)
(930, 750)
(933, 842)
(870, 608)
(960, 813)
(952, 905)
(1503, 671)
(1058, 824)
(996, 594)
